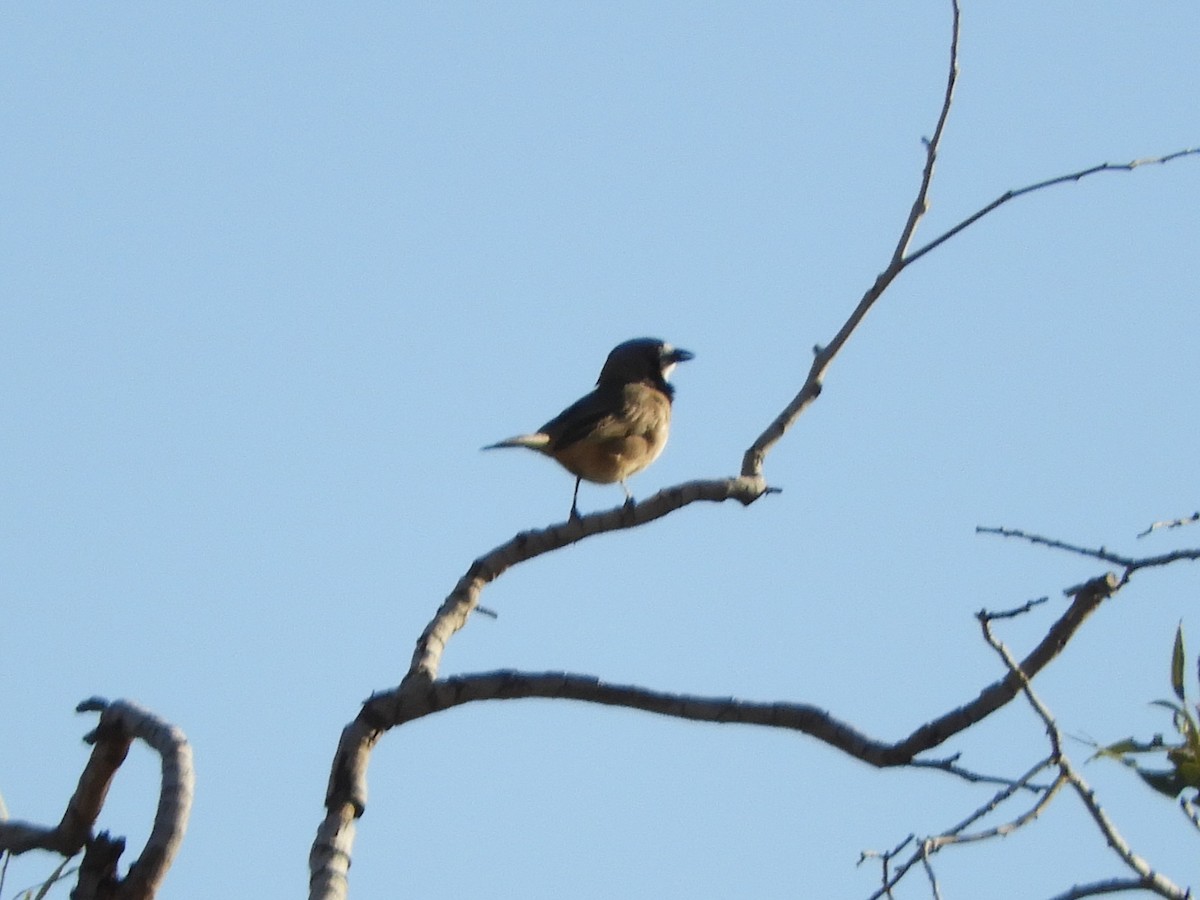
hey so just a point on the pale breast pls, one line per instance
(648, 416)
(624, 443)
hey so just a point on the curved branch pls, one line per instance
(110, 745)
(416, 697)
(420, 693)
(419, 696)
(457, 607)
(1108, 886)
(346, 795)
(120, 724)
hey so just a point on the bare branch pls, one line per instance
(956, 834)
(928, 866)
(1050, 182)
(885, 861)
(71, 833)
(457, 607)
(417, 698)
(98, 873)
(1172, 523)
(1097, 888)
(752, 462)
(1014, 613)
(921, 204)
(1189, 809)
(1130, 564)
(421, 693)
(1147, 879)
(950, 765)
(120, 724)
(1099, 553)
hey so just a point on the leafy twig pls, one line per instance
(1147, 878)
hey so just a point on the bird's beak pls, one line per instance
(673, 355)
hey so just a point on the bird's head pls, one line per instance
(643, 359)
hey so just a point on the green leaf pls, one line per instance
(1185, 723)
(1187, 768)
(1168, 704)
(1168, 783)
(1189, 729)
(1131, 745)
(1177, 663)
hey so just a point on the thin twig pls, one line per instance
(885, 858)
(932, 845)
(1049, 182)
(1148, 879)
(752, 462)
(1013, 613)
(921, 203)
(957, 834)
(1130, 564)
(1100, 553)
(1190, 810)
(1108, 886)
(928, 866)
(1171, 523)
(950, 765)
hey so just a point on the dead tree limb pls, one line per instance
(121, 723)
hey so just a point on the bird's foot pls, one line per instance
(627, 509)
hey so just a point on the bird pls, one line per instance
(620, 427)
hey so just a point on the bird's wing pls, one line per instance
(632, 409)
(595, 415)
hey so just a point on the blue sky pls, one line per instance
(274, 273)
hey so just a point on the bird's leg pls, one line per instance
(629, 501)
(575, 500)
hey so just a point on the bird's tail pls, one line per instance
(536, 441)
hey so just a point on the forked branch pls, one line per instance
(422, 693)
(121, 723)
(1146, 878)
